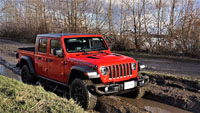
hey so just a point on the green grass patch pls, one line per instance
(20, 98)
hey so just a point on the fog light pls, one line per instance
(106, 89)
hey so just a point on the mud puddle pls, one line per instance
(171, 66)
(152, 106)
(157, 91)
(8, 73)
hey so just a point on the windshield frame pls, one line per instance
(103, 41)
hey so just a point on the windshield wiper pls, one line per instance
(73, 51)
(99, 49)
(84, 51)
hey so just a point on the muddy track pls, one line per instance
(113, 104)
(168, 64)
(12, 67)
(182, 93)
(178, 92)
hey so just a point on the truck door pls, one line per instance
(55, 63)
(40, 57)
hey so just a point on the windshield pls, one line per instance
(85, 44)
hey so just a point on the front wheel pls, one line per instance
(26, 76)
(80, 93)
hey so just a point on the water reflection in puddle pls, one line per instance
(152, 106)
(8, 73)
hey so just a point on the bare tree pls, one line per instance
(162, 26)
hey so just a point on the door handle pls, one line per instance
(49, 60)
(39, 58)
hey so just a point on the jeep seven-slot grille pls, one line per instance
(120, 71)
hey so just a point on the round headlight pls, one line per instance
(134, 66)
(104, 70)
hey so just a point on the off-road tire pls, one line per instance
(82, 86)
(26, 76)
(138, 93)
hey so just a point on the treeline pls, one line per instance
(154, 26)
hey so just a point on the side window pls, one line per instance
(55, 48)
(42, 45)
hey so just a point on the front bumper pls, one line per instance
(103, 89)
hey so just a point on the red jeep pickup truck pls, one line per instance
(82, 62)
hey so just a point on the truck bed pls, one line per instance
(28, 51)
(32, 49)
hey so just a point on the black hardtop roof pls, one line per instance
(58, 35)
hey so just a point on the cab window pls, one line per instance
(55, 47)
(42, 45)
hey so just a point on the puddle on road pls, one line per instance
(8, 73)
(152, 106)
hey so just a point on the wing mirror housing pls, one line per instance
(58, 53)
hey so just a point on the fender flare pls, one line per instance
(84, 69)
(29, 62)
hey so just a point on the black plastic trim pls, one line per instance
(29, 62)
(57, 82)
(117, 88)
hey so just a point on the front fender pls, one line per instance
(87, 71)
(29, 62)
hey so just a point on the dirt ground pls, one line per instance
(168, 64)
(178, 92)
(8, 50)
(172, 66)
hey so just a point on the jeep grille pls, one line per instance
(120, 71)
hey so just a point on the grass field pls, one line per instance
(20, 98)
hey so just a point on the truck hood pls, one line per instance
(101, 59)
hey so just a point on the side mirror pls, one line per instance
(58, 53)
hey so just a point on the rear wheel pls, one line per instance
(26, 76)
(138, 93)
(79, 91)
